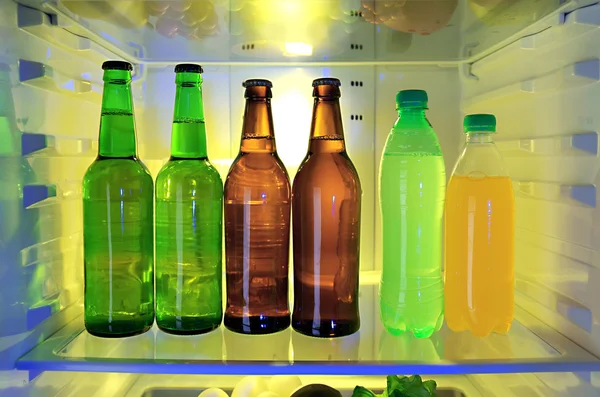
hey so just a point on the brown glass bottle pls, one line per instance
(326, 212)
(257, 224)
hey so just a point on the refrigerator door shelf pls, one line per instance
(530, 346)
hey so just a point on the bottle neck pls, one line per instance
(479, 137)
(412, 117)
(327, 131)
(188, 139)
(117, 124)
(257, 129)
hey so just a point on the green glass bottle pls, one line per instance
(118, 220)
(189, 208)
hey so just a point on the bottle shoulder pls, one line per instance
(189, 170)
(259, 172)
(413, 140)
(267, 164)
(481, 158)
(324, 168)
(117, 169)
(118, 178)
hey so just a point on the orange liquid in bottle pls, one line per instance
(479, 260)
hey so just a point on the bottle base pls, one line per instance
(418, 331)
(326, 329)
(479, 331)
(256, 325)
(121, 333)
(173, 330)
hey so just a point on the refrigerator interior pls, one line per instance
(532, 63)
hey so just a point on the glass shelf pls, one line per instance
(288, 31)
(530, 346)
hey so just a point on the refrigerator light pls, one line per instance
(296, 48)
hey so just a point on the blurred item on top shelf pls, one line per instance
(511, 12)
(411, 16)
(193, 20)
(127, 14)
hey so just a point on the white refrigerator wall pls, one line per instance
(544, 91)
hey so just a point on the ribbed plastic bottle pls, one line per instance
(412, 184)
(479, 238)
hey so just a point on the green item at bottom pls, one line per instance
(401, 386)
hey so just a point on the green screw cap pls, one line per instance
(411, 99)
(480, 123)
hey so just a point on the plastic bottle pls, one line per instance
(412, 185)
(479, 241)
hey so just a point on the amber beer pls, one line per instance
(326, 212)
(257, 224)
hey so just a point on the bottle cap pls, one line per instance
(257, 83)
(326, 81)
(411, 99)
(117, 65)
(188, 68)
(480, 122)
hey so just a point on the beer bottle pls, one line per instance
(189, 202)
(257, 224)
(326, 200)
(118, 220)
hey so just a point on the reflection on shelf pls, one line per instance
(529, 346)
(407, 347)
(306, 348)
(270, 348)
(207, 346)
(570, 145)
(584, 195)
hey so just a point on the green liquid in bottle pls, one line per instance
(412, 188)
(189, 202)
(118, 220)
